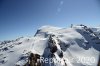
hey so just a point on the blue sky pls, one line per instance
(24, 17)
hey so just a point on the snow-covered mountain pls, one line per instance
(53, 46)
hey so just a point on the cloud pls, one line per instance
(61, 2)
(60, 6)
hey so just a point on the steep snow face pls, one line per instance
(77, 46)
(39, 45)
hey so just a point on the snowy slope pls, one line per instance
(10, 53)
(77, 46)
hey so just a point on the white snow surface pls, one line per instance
(76, 44)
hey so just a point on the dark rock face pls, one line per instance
(53, 49)
(19, 43)
(61, 55)
(33, 60)
(52, 45)
(5, 49)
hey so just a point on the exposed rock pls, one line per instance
(33, 60)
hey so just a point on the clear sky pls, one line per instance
(24, 17)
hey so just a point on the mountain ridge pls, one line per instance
(59, 44)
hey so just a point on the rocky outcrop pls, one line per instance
(33, 60)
